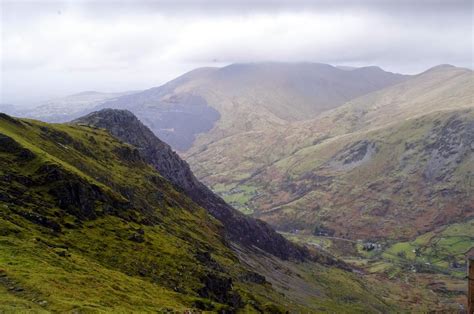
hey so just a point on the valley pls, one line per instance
(434, 261)
(236, 157)
(366, 175)
(88, 225)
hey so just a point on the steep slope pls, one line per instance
(219, 102)
(228, 165)
(443, 87)
(244, 230)
(393, 183)
(237, 157)
(69, 192)
(87, 225)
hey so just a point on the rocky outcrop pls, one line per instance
(353, 155)
(175, 118)
(9, 145)
(447, 145)
(237, 227)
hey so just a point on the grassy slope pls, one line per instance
(103, 241)
(265, 173)
(389, 185)
(243, 142)
(138, 247)
(263, 170)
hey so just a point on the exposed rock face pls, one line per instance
(448, 145)
(238, 227)
(176, 119)
(353, 155)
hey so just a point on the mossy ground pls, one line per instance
(97, 263)
(86, 225)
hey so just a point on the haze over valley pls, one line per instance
(184, 173)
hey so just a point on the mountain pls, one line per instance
(395, 182)
(299, 175)
(239, 228)
(70, 107)
(220, 102)
(443, 87)
(86, 224)
(101, 215)
(390, 171)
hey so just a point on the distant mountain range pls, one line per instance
(66, 108)
(240, 94)
(304, 173)
(263, 135)
(243, 94)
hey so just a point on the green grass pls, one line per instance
(76, 282)
(138, 250)
(239, 197)
(440, 248)
(404, 278)
(99, 252)
(391, 198)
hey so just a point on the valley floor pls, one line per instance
(428, 272)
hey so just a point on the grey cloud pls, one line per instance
(120, 45)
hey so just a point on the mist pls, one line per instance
(51, 49)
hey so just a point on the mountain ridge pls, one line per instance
(270, 156)
(125, 126)
(246, 96)
(87, 225)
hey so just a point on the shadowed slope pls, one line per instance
(298, 175)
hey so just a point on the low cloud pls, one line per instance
(64, 47)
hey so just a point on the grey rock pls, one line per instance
(237, 227)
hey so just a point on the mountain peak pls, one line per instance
(443, 66)
(371, 68)
(238, 228)
(119, 115)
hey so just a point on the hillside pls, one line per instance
(393, 167)
(443, 87)
(395, 182)
(219, 102)
(88, 225)
(239, 228)
(267, 170)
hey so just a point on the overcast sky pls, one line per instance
(50, 49)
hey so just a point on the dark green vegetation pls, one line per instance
(389, 166)
(384, 182)
(76, 201)
(86, 224)
(237, 227)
